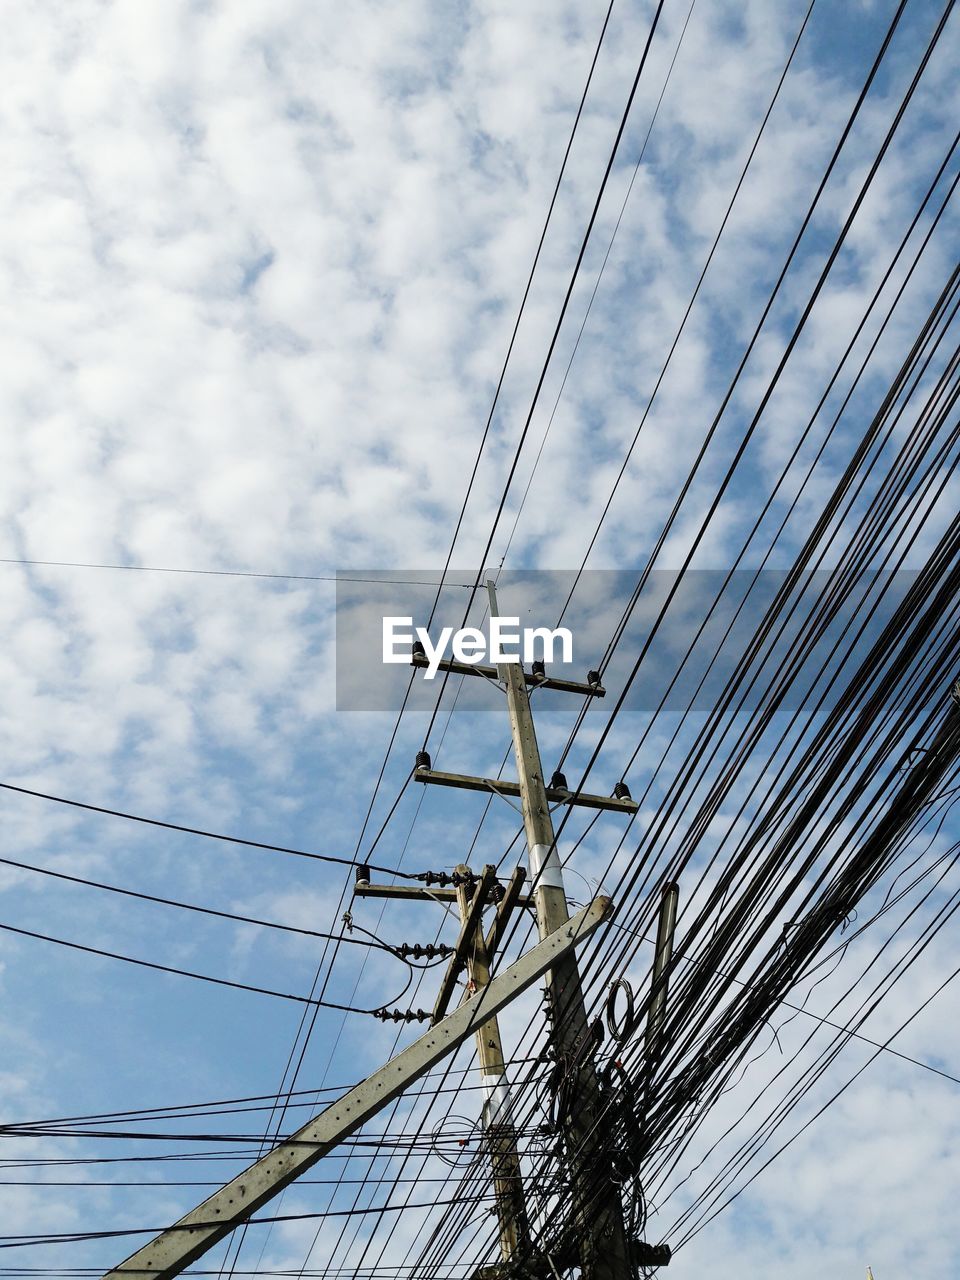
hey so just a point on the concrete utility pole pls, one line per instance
(595, 1236)
(498, 1120)
(597, 1207)
(666, 927)
(474, 953)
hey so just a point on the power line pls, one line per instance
(76, 1237)
(233, 573)
(182, 973)
(191, 906)
(196, 831)
(808, 1013)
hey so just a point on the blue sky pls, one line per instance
(260, 266)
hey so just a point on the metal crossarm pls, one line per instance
(490, 673)
(467, 782)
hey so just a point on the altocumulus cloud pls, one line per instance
(259, 267)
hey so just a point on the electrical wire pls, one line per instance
(195, 831)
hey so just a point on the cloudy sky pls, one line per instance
(260, 267)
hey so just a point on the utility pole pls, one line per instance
(666, 927)
(597, 1207)
(497, 1119)
(474, 952)
(596, 1235)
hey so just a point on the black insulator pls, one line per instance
(435, 877)
(593, 677)
(401, 1015)
(539, 669)
(423, 759)
(423, 950)
(498, 893)
(622, 791)
(558, 782)
(363, 873)
(418, 649)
